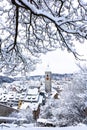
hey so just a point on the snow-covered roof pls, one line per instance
(53, 92)
(41, 120)
(33, 91)
(11, 118)
(32, 106)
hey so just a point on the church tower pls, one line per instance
(48, 80)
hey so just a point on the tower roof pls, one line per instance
(48, 68)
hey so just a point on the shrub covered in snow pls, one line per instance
(26, 114)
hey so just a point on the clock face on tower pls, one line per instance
(47, 77)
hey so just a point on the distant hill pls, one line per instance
(6, 79)
(37, 77)
(60, 76)
(54, 76)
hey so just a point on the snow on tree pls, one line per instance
(24, 114)
(31, 27)
(69, 108)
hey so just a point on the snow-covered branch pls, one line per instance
(40, 26)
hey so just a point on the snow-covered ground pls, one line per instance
(27, 127)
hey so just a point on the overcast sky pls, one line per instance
(61, 61)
